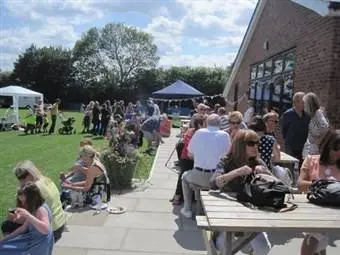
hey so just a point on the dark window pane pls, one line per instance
(253, 73)
(290, 61)
(278, 66)
(268, 68)
(260, 71)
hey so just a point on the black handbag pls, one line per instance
(324, 192)
(265, 190)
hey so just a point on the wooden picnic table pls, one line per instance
(224, 214)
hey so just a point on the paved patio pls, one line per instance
(151, 224)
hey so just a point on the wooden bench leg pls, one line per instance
(209, 244)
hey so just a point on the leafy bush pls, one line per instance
(120, 160)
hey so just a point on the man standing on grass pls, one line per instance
(54, 114)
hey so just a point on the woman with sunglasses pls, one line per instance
(27, 172)
(268, 146)
(235, 123)
(323, 166)
(242, 160)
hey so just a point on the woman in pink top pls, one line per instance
(323, 166)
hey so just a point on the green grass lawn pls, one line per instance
(51, 153)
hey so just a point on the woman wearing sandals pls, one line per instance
(186, 163)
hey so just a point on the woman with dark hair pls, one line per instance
(186, 163)
(323, 166)
(35, 236)
(318, 124)
(230, 173)
(27, 172)
(268, 146)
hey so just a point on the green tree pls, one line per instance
(46, 70)
(113, 56)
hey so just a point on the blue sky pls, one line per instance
(187, 32)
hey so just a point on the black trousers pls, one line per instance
(54, 120)
(185, 164)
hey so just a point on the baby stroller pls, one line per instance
(7, 120)
(67, 128)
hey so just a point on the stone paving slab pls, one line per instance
(92, 237)
(170, 241)
(57, 250)
(150, 193)
(154, 205)
(143, 220)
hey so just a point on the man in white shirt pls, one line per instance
(206, 147)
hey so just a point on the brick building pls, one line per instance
(289, 46)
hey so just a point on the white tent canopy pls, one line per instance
(16, 92)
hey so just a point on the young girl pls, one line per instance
(35, 236)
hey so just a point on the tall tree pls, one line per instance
(46, 70)
(113, 55)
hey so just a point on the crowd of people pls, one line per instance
(216, 152)
(220, 149)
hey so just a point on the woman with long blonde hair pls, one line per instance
(26, 172)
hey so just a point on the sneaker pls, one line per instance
(186, 213)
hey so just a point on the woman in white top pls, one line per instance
(318, 125)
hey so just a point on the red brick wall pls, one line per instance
(285, 25)
(334, 92)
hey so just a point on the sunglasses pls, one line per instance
(252, 143)
(235, 123)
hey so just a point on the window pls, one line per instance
(260, 71)
(290, 62)
(253, 72)
(272, 82)
(268, 68)
(278, 66)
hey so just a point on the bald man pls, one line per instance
(206, 148)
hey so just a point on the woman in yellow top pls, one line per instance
(26, 172)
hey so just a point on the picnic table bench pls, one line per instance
(224, 214)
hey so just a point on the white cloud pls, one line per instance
(198, 60)
(209, 24)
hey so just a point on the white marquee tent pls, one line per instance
(16, 92)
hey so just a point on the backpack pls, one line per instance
(265, 190)
(324, 192)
